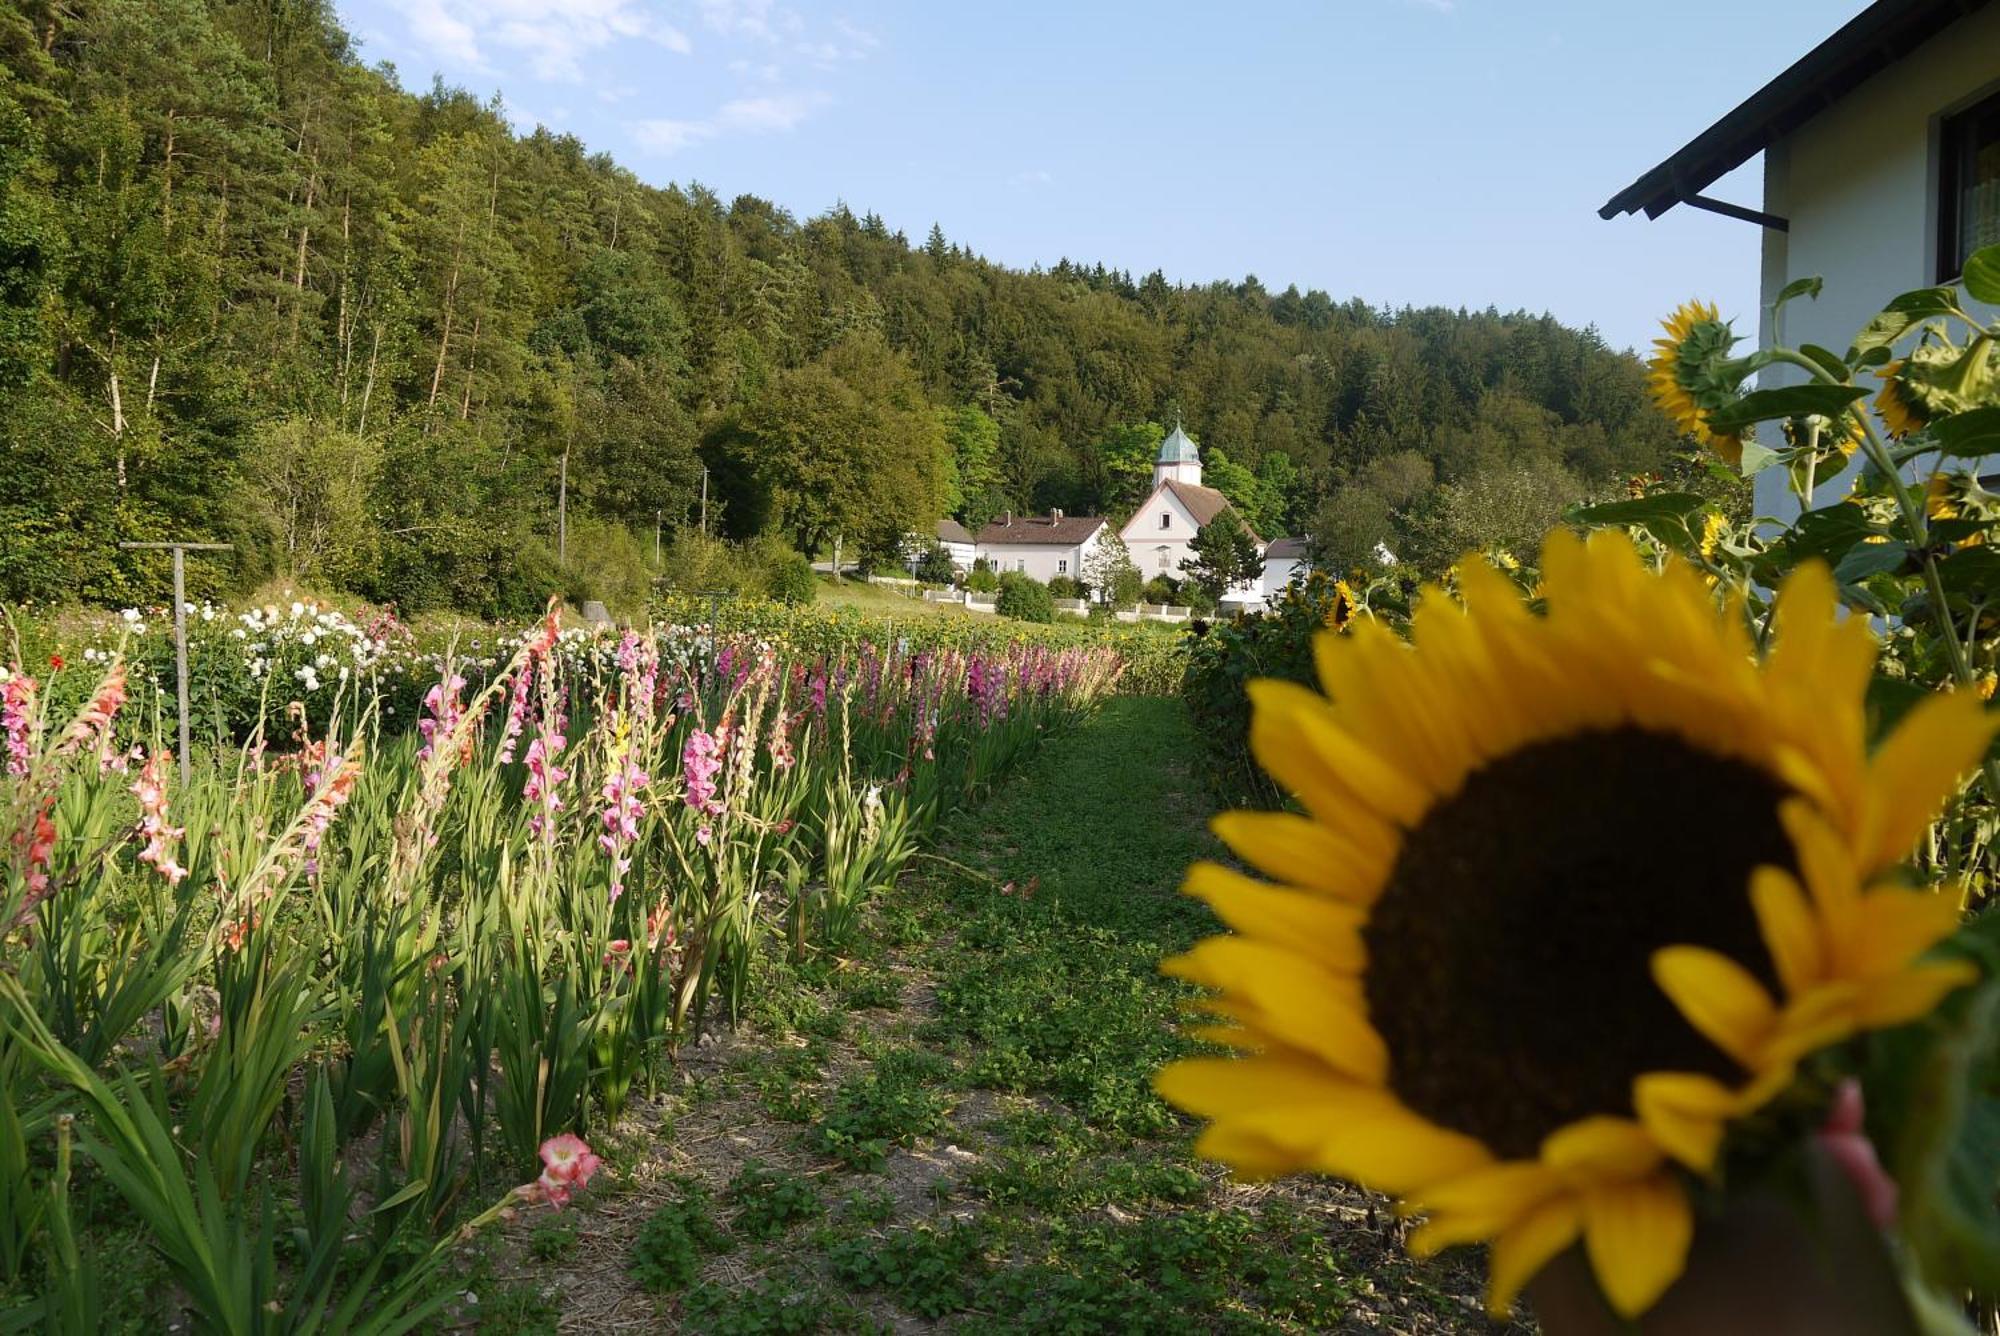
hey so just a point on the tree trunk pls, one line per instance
(368, 388)
(167, 180)
(450, 301)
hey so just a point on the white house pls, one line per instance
(950, 535)
(1881, 172)
(1043, 546)
(1177, 509)
(1284, 562)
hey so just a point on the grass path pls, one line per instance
(955, 1130)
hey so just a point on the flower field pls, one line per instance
(359, 989)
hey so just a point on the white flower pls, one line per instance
(309, 638)
(130, 615)
(207, 612)
(187, 608)
(343, 672)
(323, 661)
(240, 633)
(6, 673)
(298, 610)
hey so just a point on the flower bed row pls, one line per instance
(307, 1016)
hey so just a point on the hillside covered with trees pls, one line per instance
(252, 291)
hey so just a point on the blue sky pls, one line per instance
(1402, 151)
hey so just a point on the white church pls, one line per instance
(1179, 507)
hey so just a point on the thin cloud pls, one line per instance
(556, 36)
(776, 114)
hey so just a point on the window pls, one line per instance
(1163, 558)
(1062, 566)
(1166, 519)
(1021, 564)
(1969, 182)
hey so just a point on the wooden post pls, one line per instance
(704, 501)
(180, 633)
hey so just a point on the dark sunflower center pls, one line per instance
(1510, 955)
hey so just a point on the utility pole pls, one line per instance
(562, 510)
(656, 538)
(704, 501)
(180, 629)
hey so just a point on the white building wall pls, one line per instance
(1042, 560)
(1280, 572)
(1859, 185)
(1157, 551)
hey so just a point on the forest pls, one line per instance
(254, 292)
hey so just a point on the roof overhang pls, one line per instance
(1874, 39)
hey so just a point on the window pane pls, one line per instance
(1972, 161)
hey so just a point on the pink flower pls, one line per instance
(622, 811)
(93, 722)
(1846, 1142)
(567, 1158)
(444, 708)
(701, 759)
(151, 791)
(17, 706)
(517, 710)
(544, 781)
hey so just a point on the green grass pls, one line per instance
(962, 1112)
(854, 592)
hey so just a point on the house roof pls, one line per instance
(1041, 530)
(1204, 503)
(1874, 39)
(951, 531)
(1178, 448)
(1285, 549)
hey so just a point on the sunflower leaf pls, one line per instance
(1784, 402)
(1664, 515)
(1946, 1151)
(1828, 533)
(1800, 287)
(1968, 435)
(1866, 559)
(1982, 274)
(1902, 315)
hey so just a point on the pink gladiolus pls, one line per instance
(781, 741)
(151, 791)
(517, 710)
(331, 785)
(93, 723)
(701, 759)
(544, 784)
(622, 810)
(17, 706)
(1845, 1140)
(443, 707)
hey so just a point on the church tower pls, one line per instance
(1178, 461)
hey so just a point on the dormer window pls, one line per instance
(1166, 519)
(1969, 185)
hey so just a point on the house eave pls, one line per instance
(1874, 39)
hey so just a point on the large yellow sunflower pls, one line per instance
(1692, 375)
(1900, 412)
(1569, 893)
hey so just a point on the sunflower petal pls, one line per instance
(1915, 992)
(1637, 1236)
(1303, 852)
(1917, 767)
(1892, 927)
(1526, 1248)
(1685, 1112)
(1480, 1205)
(1296, 1000)
(1719, 998)
(1325, 930)
(1295, 739)
(1790, 931)
(1602, 1146)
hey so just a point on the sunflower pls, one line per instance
(1901, 414)
(1345, 605)
(1943, 498)
(1692, 375)
(1494, 976)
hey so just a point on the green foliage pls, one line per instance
(934, 566)
(930, 1271)
(891, 1104)
(770, 1201)
(1110, 572)
(1225, 554)
(668, 1252)
(222, 231)
(789, 579)
(1062, 586)
(1024, 598)
(982, 580)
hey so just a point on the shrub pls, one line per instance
(1161, 589)
(982, 580)
(694, 563)
(1025, 599)
(1062, 586)
(790, 579)
(934, 566)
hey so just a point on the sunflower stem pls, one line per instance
(1917, 522)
